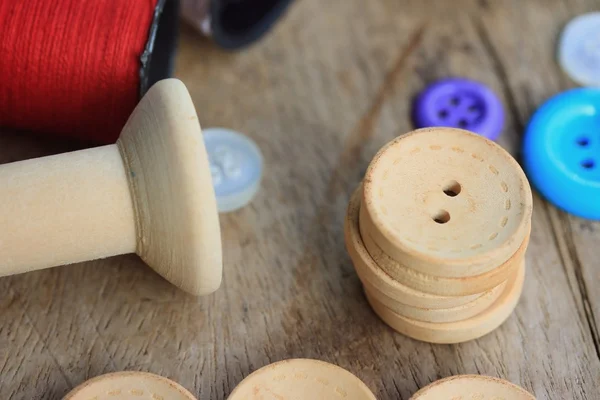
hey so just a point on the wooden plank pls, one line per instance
(320, 95)
(28, 368)
(575, 238)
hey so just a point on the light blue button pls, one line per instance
(236, 165)
(579, 49)
(561, 151)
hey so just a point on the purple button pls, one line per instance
(460, 103)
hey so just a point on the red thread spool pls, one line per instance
(78, 68)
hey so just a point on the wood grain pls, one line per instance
(320, 95)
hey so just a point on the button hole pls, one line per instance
(583, 141)
(472, 109)
(455, 101)
(452, 189)
(443, 114)
(588, 164)
(441, 217)
(463, 123)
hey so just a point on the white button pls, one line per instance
(236, 166)
(579, 49)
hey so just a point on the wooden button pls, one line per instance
(453, 314)
(440, 285)
(467, 387)
(462, 331)
(301, 379)
(447, 202)
(370, 273)
(129, 385)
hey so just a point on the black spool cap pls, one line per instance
(158, 58)
(238, 23)
(234, 24)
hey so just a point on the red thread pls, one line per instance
(71, 67)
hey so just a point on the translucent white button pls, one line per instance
(579, 49)
(236, 166)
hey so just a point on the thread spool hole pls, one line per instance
(452, 189)
(441, 217)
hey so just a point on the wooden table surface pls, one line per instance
(320, 95)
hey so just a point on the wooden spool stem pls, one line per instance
(64, 209)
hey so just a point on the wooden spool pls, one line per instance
(150, 193)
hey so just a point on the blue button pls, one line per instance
(561, 151)
(236, 165)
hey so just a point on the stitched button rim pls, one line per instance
(415, 255)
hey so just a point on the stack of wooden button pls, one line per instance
(438, 232)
